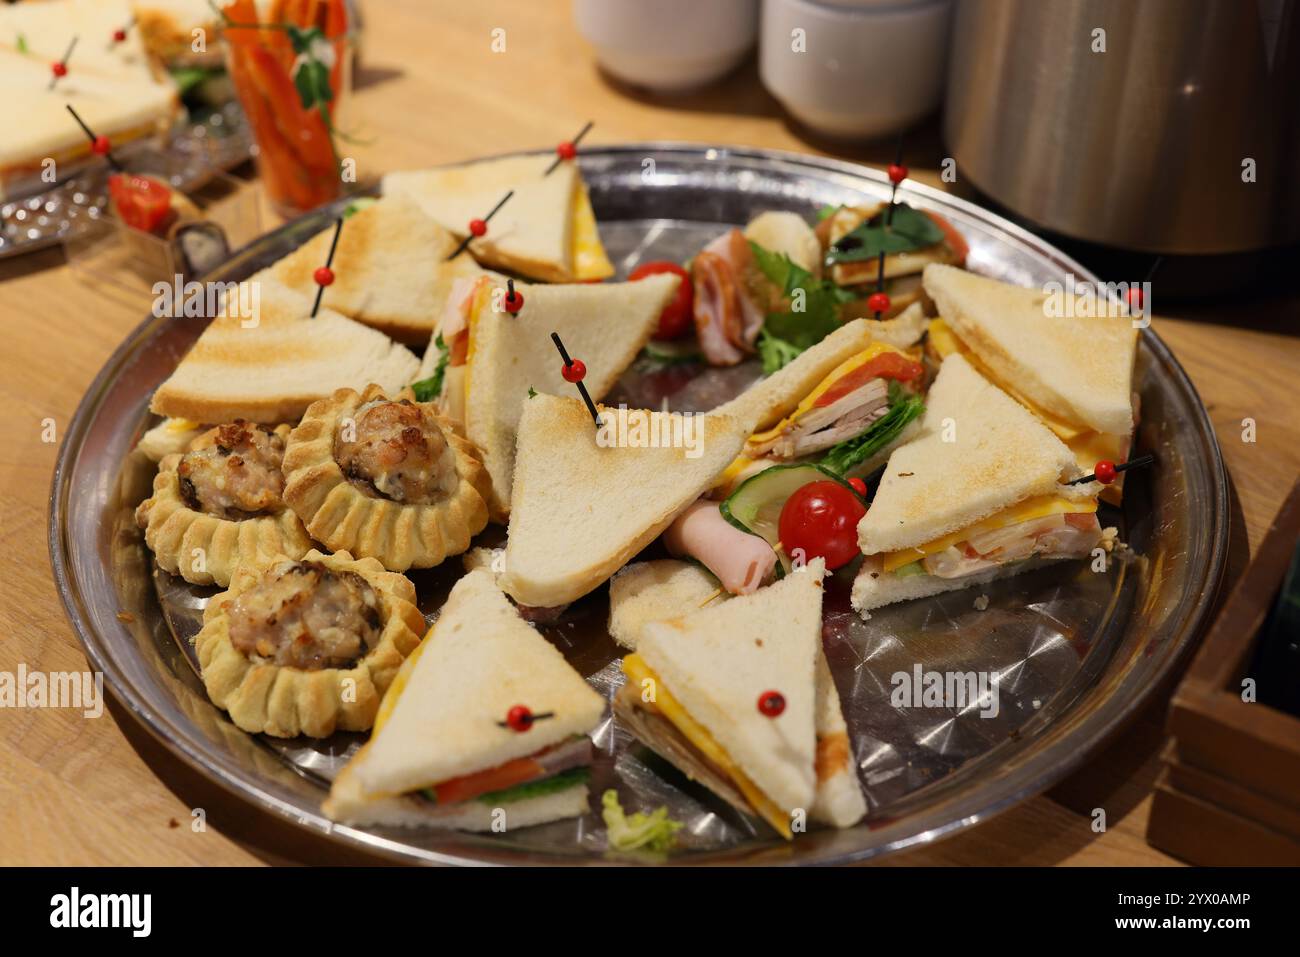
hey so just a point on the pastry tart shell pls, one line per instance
(344, 518)
(283, 701)
(204, 549)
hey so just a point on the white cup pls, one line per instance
(855, 68)
(668, 45)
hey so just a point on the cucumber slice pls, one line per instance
(755, 506)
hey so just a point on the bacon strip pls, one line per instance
(727, 319)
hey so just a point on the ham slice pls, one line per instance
(742, 562)
(727, 317)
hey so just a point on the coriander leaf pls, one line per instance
(909, 230)
(532, 393)
(775, 352)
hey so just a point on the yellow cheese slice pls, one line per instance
(482, 297)
(638, 671)
(181, 425)
(1026, 511)
(589, 258)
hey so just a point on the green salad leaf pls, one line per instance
(909, 230)
(655, 831)
(813, 313)
(426, 390)
(903, 408)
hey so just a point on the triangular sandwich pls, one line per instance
(977, 496)
(450, 748)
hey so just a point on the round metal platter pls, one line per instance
(1075, 652)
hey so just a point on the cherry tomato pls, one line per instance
(678, 316)
(821, 518)
(141, 202)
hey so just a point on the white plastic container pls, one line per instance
(855, 68)
(668, 46)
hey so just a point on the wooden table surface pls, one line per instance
(430, 90)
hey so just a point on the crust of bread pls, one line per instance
(343, 517)
(839, 800)
(1079, 369)
(869, 593)
(285, 702)
(442, 719)
(656, 591)
(204, 549)
(979, 451)
(580, 511)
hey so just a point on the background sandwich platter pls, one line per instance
(1077, 653)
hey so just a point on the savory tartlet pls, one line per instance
(307, 646)
(385, 478)
(221, 503)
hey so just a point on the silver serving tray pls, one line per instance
(1077, 652)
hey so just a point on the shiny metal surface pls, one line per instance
(1140, 146)
(1077, 652)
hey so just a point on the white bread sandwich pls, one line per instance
(977, 496)
(491, 358)
(586, 502)
(391, 270)
(269, 368)
(1074, 371)
(546, 231)
(484, 728)
(700, 691)
(656, 591)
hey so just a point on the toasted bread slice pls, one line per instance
(979, 451)
(655, 591)
(1078, 369)
(546, 230)
(272, 370)
(604, 325)
(584, 505)
(390, 269)
(442, 718)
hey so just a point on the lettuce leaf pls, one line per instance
(426, 390)
(655, 831)
(851, 452)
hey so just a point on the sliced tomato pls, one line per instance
(956, 242)
(887, 365)
(141, 202)
(484, 782)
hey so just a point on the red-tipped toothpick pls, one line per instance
(878, 301)
(60, 67)
(897, 173)
(520, 719)
(119, 35)
(478, 227)
(514, 301)
(771, 704)
(324, 276)
(568, 149)
(99, 145)
(1135, 298)
(1105, 471)
(575, 371)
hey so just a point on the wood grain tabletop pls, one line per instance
(429, 89)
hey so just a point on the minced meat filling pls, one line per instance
(396, 450)
(233, 471)
(304, 615)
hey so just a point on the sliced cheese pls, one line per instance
(589, 259)
(670, 708)
(482, 297)
(1026, 511)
